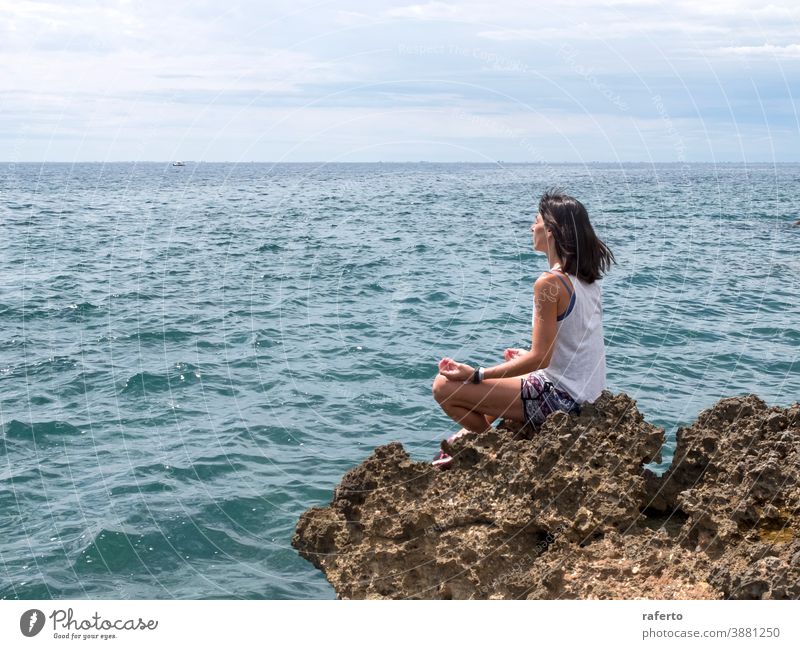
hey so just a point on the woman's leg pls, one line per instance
(476, 406)
(472, 421)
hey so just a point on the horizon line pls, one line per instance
(328, 162)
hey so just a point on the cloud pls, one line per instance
(605, 31)
(430, 11)
(773, 51)
(512, 34)
(394, 70)
(353, 18)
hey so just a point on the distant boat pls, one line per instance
(178, 163)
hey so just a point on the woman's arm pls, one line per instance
(545, 297)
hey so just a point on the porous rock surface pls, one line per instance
(570, 512)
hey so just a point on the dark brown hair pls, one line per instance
(582, 253)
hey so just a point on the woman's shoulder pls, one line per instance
(547, 279)
(550, 275)
(558, 279)
(550, 287)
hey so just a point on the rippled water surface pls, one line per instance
(191, 357)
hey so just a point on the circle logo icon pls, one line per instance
(31, 622)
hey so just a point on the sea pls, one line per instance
(191, 357)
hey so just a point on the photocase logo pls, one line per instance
(31, 622)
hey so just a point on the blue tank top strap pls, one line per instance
(571, 297)
(563, 281)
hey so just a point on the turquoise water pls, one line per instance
(191, 357)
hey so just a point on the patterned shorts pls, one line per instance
(540, 398)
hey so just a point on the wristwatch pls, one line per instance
(477, 375)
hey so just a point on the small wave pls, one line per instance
(209, 344)
(405, 371)
(201, 469)
(430, 196)
(374, 263)
(141, 487)
(238, 338)
(46, 211)
(31, 591)
(117, 551)
(224, 391)
(437, 296)
(162, 335)
(16, 429)
(207, 471)
(83, 383)
(52, 365)
(180, 375)
(15, 479)
(72, 312)
(79, 310)
(270, 247)
(177, 542)
(346, 376)
(247, 516)
(136, 296)
(370, 288)
(265, 341)
(24, 312)
(792, 335)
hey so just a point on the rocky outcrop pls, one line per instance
(736, 478)
(570, 512)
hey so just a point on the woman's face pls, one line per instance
(539, 234)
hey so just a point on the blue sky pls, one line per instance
(641, 80)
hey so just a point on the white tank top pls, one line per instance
(578, 363)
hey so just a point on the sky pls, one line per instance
(513, 80)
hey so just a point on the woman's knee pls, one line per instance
(440, 388)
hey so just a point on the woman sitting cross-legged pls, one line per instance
(566, 364)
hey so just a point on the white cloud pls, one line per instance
(430, 11)
(232, 71)
(720, 9)
(773, 51)
(353, 18)
(604, 31)
(511, 34)
(123, 72)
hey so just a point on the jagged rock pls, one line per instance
(642, 564)
(570, 512)
(735, 470)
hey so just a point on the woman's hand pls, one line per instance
(453, 371)
(512, 352)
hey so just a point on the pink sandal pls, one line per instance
(455, 436)
(442, 461)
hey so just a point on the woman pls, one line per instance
(566, 364)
